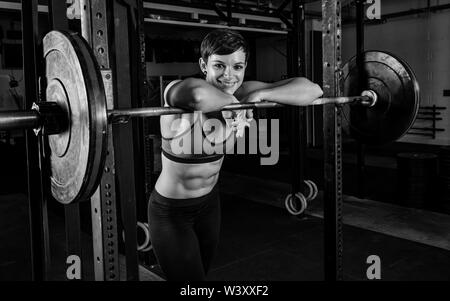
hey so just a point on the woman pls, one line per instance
(184, 208)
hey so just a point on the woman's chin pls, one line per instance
(230, 90)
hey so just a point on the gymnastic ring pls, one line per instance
(147, 236)
(314, 189)
(303, 201)
(290, 206)
(286, 203)
(310, 190)
(150, 246)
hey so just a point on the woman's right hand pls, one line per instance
(233, 114)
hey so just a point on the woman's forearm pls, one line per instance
(294, 91)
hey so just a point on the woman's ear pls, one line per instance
(202, 64)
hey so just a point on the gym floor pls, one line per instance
(265, 243)
(258, 242)
(262, 241)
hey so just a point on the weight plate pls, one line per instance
(398, 98)
(74, 81)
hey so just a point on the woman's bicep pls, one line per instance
(184, 93)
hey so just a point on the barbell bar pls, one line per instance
(367, 98)
(34, 119)
(74, 118)
(13, 120)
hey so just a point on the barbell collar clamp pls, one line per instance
(52, 118)
(373, 98)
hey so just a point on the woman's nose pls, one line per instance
(227, 72)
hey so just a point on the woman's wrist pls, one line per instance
(263, 95)
(232, 99)
(256, 96)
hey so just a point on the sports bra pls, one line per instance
(192, 155)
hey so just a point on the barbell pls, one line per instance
(74, 115)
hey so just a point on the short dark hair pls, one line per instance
(222, 42)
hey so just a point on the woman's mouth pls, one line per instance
(227, 83)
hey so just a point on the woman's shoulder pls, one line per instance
(167, 88)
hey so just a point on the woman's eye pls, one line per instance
(237, 67)
(218, 66)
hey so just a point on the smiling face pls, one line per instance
(225, 72)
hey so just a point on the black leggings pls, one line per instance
(184, 234)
